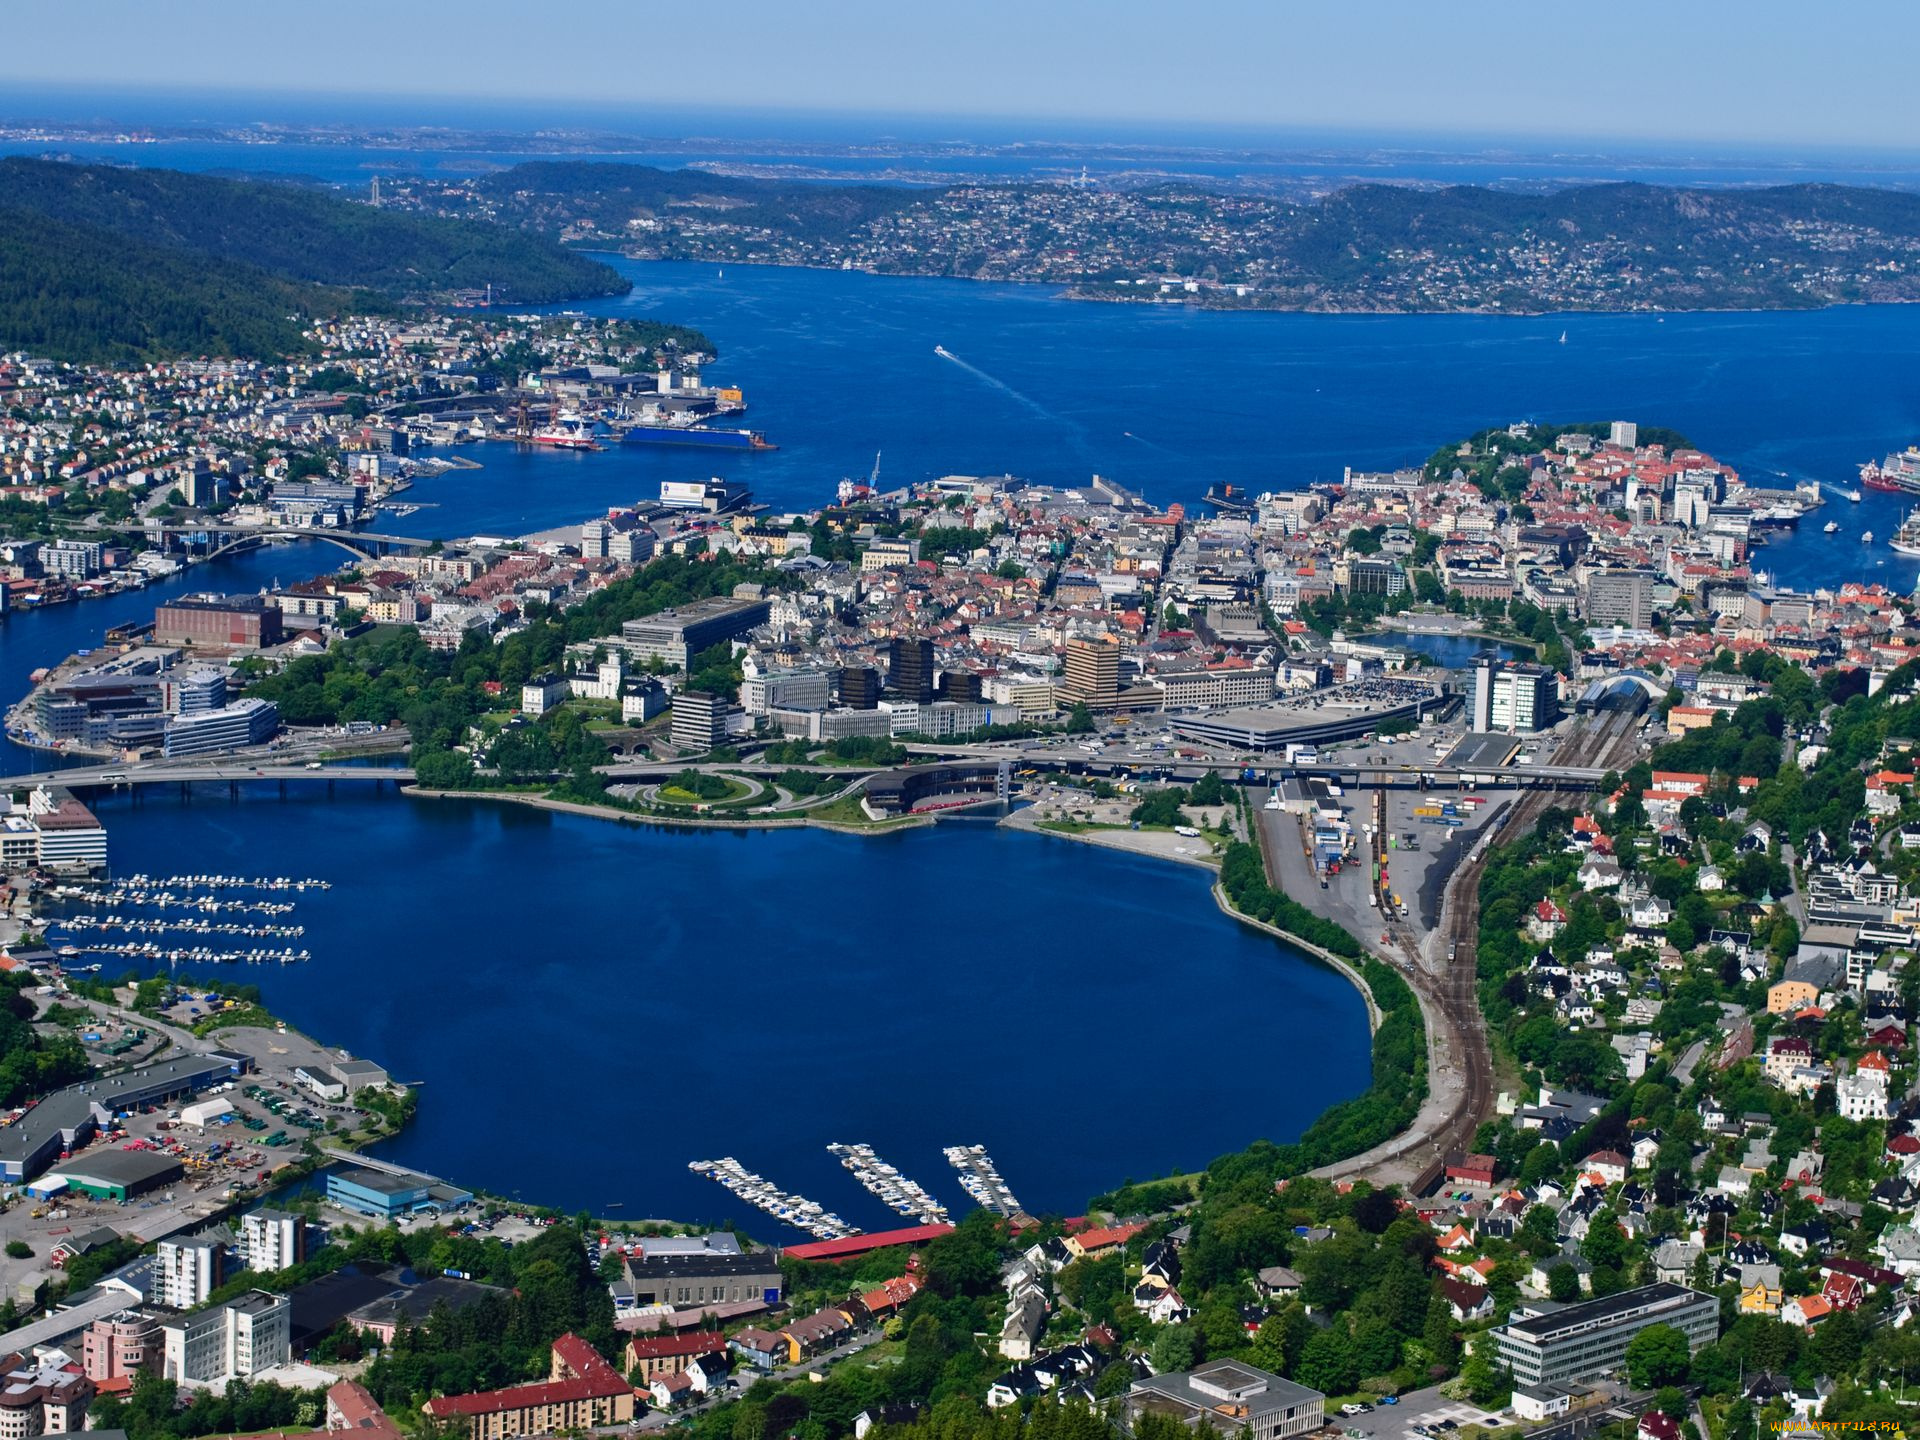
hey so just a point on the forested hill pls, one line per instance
(1366, 247)
(105, 264)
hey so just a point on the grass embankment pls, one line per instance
(1390, 1104)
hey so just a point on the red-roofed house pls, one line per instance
(1682, 781)
(1472, 1169)
(1610, 1165)
(581, 1391)
(1806, 1311)
(1844, 1292)
(653, 1355)
(1654, 1425)
(1095, 1244)
(892, 1295)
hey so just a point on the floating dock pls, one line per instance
(893, 1189)
(221, 882)
(980, 1180)
(762, 1194)
(138, 925)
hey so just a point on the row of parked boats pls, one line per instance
(763, 1194)
(888, 1185)
(980, 1180)
(142, 925)
(173, 900)
(223, 882)
(200, 954)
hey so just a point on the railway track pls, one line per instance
(1449, 986)
(1458, 982)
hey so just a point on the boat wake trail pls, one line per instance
(974, 370)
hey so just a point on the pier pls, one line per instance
(888, 1185)
(980, 1180)
(763, 1194)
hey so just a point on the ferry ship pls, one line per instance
(1224, 497)
(566, 432)
(1897, 472)
(1906, 540)
(643, 433)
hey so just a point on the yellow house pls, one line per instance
(1760, 1299)
(1790, 996)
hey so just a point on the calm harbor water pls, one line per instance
(660, 997)
(592, 1006)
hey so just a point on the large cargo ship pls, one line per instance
(1897, 472)
(697, 435)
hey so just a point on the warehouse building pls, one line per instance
(120, 1174)
(69, 1118)
(704, 1278)
(1581, 1341)
(242, 622)
(388, 1195)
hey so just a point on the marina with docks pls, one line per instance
(981, 1180)
(763, 1194)
(888, 1185)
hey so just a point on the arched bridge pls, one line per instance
(366, 544)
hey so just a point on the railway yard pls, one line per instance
(1416, 905)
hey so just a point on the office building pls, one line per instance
(961, 686)
(72, 559)
(678, 634)
(241, 622)
(786, 690)
(581, 1392)
(102, 709)
(194, 690)
(1624, 433)
(234, 1341)
(232, 727)
(187, 1270)
(1577, 1342)
(70, 836)
(1621, 597)
(200, 486)
(1230, 1395)
(859, 688)
(1092, 674)
(120, 1344)
(1525, 698)
(910, 669)
(699, 720)
(42, 1395)
(1375, 575)
(273, 1239)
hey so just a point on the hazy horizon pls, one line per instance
(1504, 75)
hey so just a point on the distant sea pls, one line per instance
(866, 147)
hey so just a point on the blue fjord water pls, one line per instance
(592, 1006)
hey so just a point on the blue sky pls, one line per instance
(1763, 73)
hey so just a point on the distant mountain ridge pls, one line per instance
(110, 264)
(1366, 247)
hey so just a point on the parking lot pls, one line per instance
(1418, 1416)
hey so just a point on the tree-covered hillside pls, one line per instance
(104, 264)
